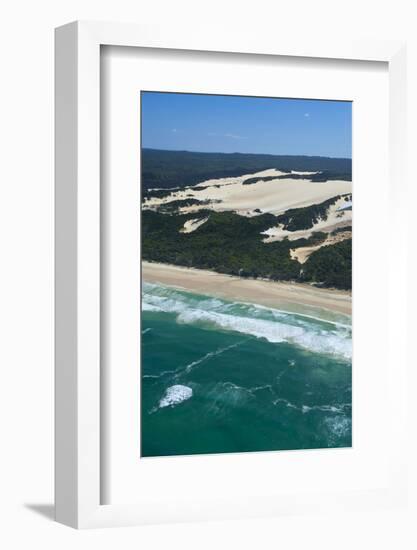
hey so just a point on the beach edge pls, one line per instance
(291, 296)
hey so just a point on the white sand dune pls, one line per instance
(192, 225)
(336, 218)
(274, 196)
(239, 179)
(302, 173)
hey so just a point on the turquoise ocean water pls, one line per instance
(221, 376)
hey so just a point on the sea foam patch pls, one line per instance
(174, 395)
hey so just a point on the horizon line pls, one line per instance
(240, 153)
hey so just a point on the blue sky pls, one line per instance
(229, 124)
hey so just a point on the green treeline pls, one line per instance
(174, 206)
(305, 217)
(232, 244)
(294, 219)
(321, 177)
(166, 169)
(331, 265)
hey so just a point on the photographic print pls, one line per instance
(246, 267)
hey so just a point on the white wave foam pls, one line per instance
(160, 375)
(258, 388)
(175, 395)
(323, 408)
(228, 394)
(338, 425)
(209, 355)
(286, 402)
(149, 307)
(171, 299)
(334, 423)
(274, 332)
(273, 325)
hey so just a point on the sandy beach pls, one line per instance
(294, 297)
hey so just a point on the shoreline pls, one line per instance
(300, 298)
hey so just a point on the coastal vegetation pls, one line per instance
(233, 244)
(330, 265)
(305, 217)
(182, 229)
(174, 206)
(321, 177)
(168, 169)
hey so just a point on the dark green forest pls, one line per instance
(331, 265)
(305, 217)
(325, 175)
(232, 244)
(294, 219)
(166, 169)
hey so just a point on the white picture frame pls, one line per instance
(78, 405)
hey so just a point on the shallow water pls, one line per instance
(221, 376)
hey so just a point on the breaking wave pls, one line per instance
(275, 326)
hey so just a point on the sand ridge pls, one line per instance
(274, 196)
